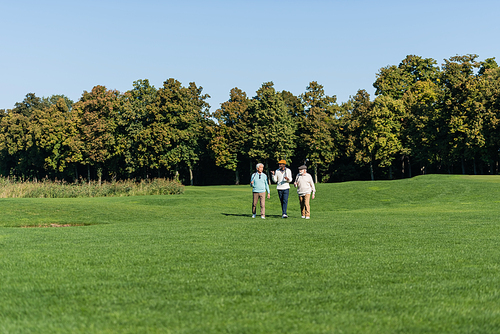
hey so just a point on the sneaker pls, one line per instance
(308, 217)
(284, 216)
(263, 217)
(303, 217)
(253, 216)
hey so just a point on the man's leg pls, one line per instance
(302, 206)
(307, 208)
(284, 201)
(254, 202)
(280, 195)
(262, 197)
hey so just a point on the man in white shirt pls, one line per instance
(282, 177)
(305, 189)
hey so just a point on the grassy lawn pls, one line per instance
(420, 255)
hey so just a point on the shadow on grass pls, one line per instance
(248, 215)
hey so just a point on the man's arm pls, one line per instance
(275, 177)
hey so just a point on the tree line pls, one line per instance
(423, 119)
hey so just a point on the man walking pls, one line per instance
(305, 187)
(260, 185)
(282, 177)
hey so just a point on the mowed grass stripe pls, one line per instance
(410, 256)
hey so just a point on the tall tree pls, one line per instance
(139, 144)
(490, 97)
(462, 108)
(272, 127)
(423, 132)
(53, 130)
(20, 154)
(319, 127)
(97, 115)
(293, 104)
(374, 130)
(394, 81)
(185, 112)
(230, 135)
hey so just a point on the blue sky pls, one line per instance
(67, 47)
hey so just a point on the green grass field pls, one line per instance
(419, 255)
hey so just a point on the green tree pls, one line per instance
(272, 127)
(15, 144)
(20, 155)
(424, 130)
(139, 145)
(230, 135)
(293, 104)
(374, 130)
(184, 112)
(54, 100)
(487, 64)
(462, 109)
(97, 115)
(394, 81)
(490, 99)
(52, 131)
(319, 127)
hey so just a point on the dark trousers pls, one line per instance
(283, 195)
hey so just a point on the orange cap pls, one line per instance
(282, 162)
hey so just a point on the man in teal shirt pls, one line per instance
(260, 185)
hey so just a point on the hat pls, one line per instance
(302, 167)
(282, 162)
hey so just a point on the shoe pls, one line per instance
(308, 217)
(263, 217)
(253, 216)
(284, 216)
(303, 217)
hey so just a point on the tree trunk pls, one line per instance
(237, 175)
(176, 174)
(475, 170)
(88, 173)
(403, 165)
(190, 175)
(99, 175)
(463, 167)
(315, 173)
(267, 173)
(409, 167)
(390, 172)
(371, 171)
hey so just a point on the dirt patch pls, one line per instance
(52, 225)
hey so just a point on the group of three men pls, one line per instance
(282, 177)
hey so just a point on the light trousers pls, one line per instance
(256, 198)
(305, 209)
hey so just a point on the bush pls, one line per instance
(12, 187)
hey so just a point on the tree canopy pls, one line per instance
(424, 118)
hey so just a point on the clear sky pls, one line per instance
(67, 47)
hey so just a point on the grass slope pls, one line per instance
(410, 256)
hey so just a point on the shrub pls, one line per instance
(12, 187)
